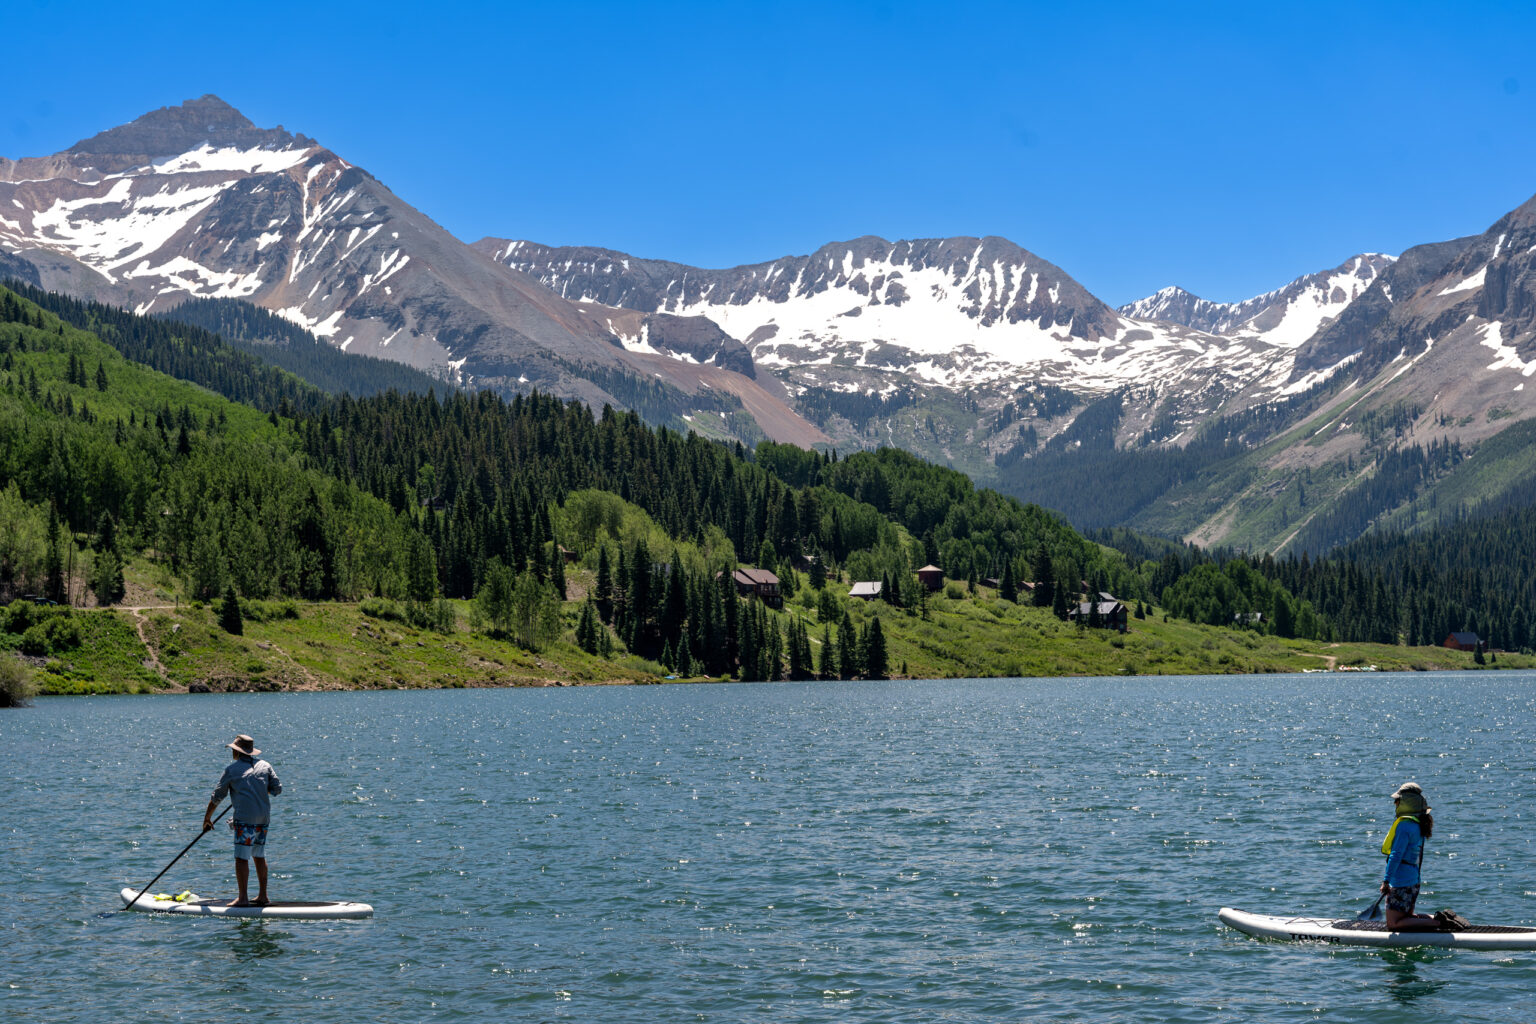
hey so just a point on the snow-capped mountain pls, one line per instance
(951, 312)
(1450, 328)
(1285, 317)
(1439, 351)
(195, 200)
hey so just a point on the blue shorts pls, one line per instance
(250, 840)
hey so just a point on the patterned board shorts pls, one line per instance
(1402, 899)
(250, 840)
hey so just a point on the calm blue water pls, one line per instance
(949, 851)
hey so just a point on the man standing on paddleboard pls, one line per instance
(250, 784)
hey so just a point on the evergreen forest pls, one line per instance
(126, 439)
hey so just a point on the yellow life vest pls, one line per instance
(1386, 844)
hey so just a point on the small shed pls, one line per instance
(931, 576)
(868, 591)
(1459, 641)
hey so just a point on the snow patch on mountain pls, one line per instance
(1468, 283)
(924, 311)
(1506, 357)
(105, 228)
(229, 158)
(1285, 317)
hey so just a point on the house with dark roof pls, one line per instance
(1458, 641)
(1112, 612)
(759, 583)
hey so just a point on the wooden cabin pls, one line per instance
(759, 583)
(1459, 641)
(1113, 613)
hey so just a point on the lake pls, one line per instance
(961, 850)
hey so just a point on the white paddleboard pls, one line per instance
(1349, 932)
(328, 910)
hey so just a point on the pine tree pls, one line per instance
(1059, 601)
(775, 652)
(876, 661)
(557, 570)
(101, 377)
(1045, 573)
(818, 573)
(828, 667)
(230, 619)
(587, 628)
(798, 668)
(53, 559)
(850, 665)
(602, 589)
(748, 641)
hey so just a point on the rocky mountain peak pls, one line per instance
(171, 131)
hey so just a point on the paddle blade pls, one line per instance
(1373, 912)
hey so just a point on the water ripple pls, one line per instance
(962, 850)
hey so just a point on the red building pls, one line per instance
(1462, 642)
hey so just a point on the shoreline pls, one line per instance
(335, 646)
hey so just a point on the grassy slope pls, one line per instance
(335, 646)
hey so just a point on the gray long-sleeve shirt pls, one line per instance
(251, 784)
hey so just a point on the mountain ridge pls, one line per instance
(194, 201)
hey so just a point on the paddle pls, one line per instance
(183, 853)
(1373, 912)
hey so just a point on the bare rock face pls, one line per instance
(196, 201)
(174, 130)
(1351, 332)
(698, 339)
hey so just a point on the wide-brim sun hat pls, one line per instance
(1400, 792)
(243, 744)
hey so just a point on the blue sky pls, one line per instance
(1225, 147)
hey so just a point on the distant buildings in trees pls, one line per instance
(931, 576)
(1108, 612)
(868, 591)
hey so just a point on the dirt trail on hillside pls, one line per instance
(153, 661)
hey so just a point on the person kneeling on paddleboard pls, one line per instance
(1403, 847)
(251, 784)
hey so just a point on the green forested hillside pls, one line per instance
(412, 498)
(269, 337)
(234, 348)
(551, 524)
